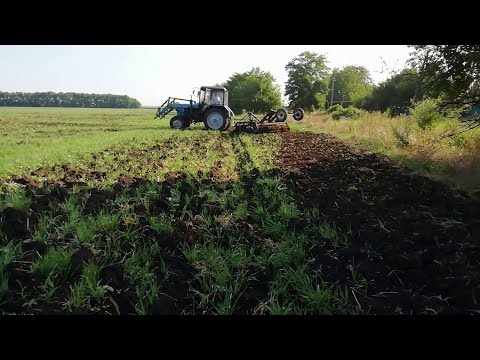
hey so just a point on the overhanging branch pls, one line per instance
(473, 125)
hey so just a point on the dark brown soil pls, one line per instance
(414, 240)
(15, 223)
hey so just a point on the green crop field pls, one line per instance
(107, 211)
(35, 137)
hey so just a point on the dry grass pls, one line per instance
(456, 159)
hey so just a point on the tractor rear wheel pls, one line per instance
(216, 119)
(298, 114)
(177, 122)
(282, 115)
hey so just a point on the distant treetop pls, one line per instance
(69, 99)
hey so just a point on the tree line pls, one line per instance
(313, 86)
(69, 99)
(448, 73)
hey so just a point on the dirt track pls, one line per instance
(413, 240)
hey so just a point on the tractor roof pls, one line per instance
(213, 88)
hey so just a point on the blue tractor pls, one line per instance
(211, 109)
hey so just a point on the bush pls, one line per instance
(459, 141)
(402, 135)
(334, 108)
(426, 113)
(395, 111)
(347, 113)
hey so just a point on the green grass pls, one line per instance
(162, 225)
(54, 261)
(225, 227)
(15, 196)
(34, 137)
(9, 253)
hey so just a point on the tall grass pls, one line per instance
(456, 159)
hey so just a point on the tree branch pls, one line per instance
(473, 125)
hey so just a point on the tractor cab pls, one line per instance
(213, 96)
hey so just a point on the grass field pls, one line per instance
(35, 137)
(111, 212)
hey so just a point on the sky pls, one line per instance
(152, 73)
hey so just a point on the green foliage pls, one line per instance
(287, 211)
(334, 108)
(51, 99)
(241, 210)
(390, 112)
(3, 283)
(91, 280)
(426, 113)
(254, 90)
(85, 230)
(338, 112)
(108, 222)
(161, 225)
(307, 84)
(352, 84)
(450, 70)
(9, 253)
(402, 135)
(459, 141)
(394, 93)
(53, 261)
(16, 198)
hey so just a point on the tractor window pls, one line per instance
(207, 96)
(217, 98)
(202, 96)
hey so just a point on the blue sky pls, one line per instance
(151, 73)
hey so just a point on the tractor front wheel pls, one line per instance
(177, 122)
(215, 119)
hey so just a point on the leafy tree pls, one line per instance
(451, 72)
(395, 93)
(254, 90)
(351, 84)
(426, 113)
(448, 70)
(307, 84)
